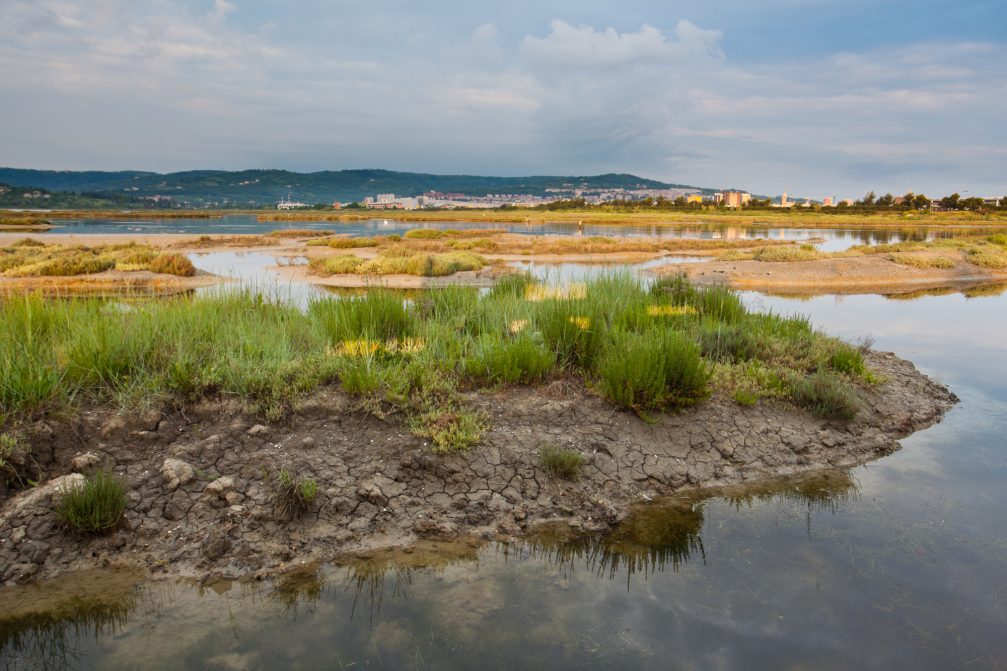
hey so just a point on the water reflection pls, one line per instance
(73, 621)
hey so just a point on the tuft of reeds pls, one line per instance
(560, 462)
(94, 506)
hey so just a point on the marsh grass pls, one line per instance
(645, 348)
(787, 254)
(295, 495)
(560, 462)
(94, 506)
(827, 396)
(922, 261)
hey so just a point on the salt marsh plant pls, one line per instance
(560, 462)
(294, 495)
(93, 506)
(643, 348)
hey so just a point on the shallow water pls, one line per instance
(243, 224)
(900, 564)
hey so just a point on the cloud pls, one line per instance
(156, 85)
(585, 47)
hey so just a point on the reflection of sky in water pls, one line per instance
(834, 239)
(904, 568)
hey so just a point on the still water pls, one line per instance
(899, 564)
(244, 224)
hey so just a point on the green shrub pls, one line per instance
(632, 372)
(520, 359)
(826, 396)
(716, 302)
(686, 375)
(172, 264)
(560, 462)
(849, 360)
(449, 429)
(95, 505)
(745, 397)
(345, 243)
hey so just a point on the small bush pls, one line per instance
(449, 429)
(423, 234)
(521, 359)
(993, 257)
(826, 396)
(560, 462)
(96, 505)
(686, 375)
(848, 360)
(295, 495)
(652, 370)
(334, 265)
(745, 397)
(377, 315)
(172, 264)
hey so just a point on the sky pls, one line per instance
(811, 97)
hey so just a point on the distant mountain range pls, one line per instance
(257, 188)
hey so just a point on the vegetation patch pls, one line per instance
(827, 396)
(172, 264)
(805, 252)
(94, 506)
(922, 260)
(560, 462)
(294, 495)
(646, 348)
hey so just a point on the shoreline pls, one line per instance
(200, 502)
(836, 275)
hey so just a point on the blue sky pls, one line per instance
(814, 97)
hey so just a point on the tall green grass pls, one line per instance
(645, 348)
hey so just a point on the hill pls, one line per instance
(256, 188)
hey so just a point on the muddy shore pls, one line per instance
(854, 275)
(201, 480)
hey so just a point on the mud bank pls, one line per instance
(202, 480)
(855, 275)
(111, 282)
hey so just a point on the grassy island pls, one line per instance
(646, 349)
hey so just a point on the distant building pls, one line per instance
(288, 204)
(736, 198)
(828, 201)
(718, 198)
(694, 198)
(336, 205)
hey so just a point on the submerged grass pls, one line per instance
(645, 348)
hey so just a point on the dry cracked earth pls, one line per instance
(202, 482)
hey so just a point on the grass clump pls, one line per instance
(827, 396)
(294, 496)
(922, 261)
(745, 397)
(787, 253)
(345, 243)
(94, 506)
(172, 264)
(343, 264)
(993, 257)
(520, 359)
(653, 370)
(849, 360)
(560, 462)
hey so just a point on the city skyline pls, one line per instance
(834, 98)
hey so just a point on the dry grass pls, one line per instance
(989, 256)
(394, 262)
(787, 254)
(205, 241)
(922, 260)
(298, 233)
(172, 264)
(31, 258)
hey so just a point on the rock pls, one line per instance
(84, 462)
(114, 425)
(176, 473)
(258, 429)
(307, 442)
(33, 499)
(220, 487)
(369, 491)
(215, 546)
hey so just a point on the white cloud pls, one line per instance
(584, 46)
